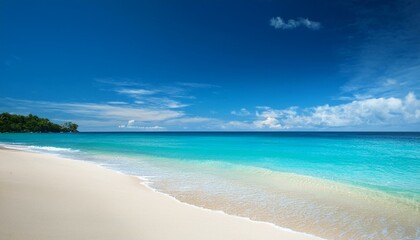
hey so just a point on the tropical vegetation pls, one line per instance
(22, 124)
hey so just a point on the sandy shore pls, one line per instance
(46, 197)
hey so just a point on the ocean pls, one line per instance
(335, 185)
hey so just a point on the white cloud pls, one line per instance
(367, 112)
(242, 112)
(269, 122)
(238, 125)
(109, 111)
(390, 82)
(384, 87)
(262, 107)
(148, 105)
(117, 103)
(135, 92)
(117, 82)
(153, 128)
(155, 98)
(279, 23)
(131, 124)
(166, 102)
(190, 120)
(145, 128)
(104, 112)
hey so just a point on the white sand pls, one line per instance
(46, 197)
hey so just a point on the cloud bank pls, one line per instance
(384, 113)
(368, 112)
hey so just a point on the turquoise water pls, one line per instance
(334, 185)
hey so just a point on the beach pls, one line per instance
(215, 120)
(48, 197)
(347, 191)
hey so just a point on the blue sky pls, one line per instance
(213, 65)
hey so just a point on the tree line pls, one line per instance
(15, 123)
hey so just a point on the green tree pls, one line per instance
(70, 127)
(31, 123)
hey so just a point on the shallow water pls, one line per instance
(333, 185)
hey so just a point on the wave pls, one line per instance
(307, 204)
(145, 181)
(43, 149)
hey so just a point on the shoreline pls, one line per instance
(213, 224)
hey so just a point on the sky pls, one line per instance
(198, 65)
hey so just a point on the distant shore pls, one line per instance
(47, 197)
